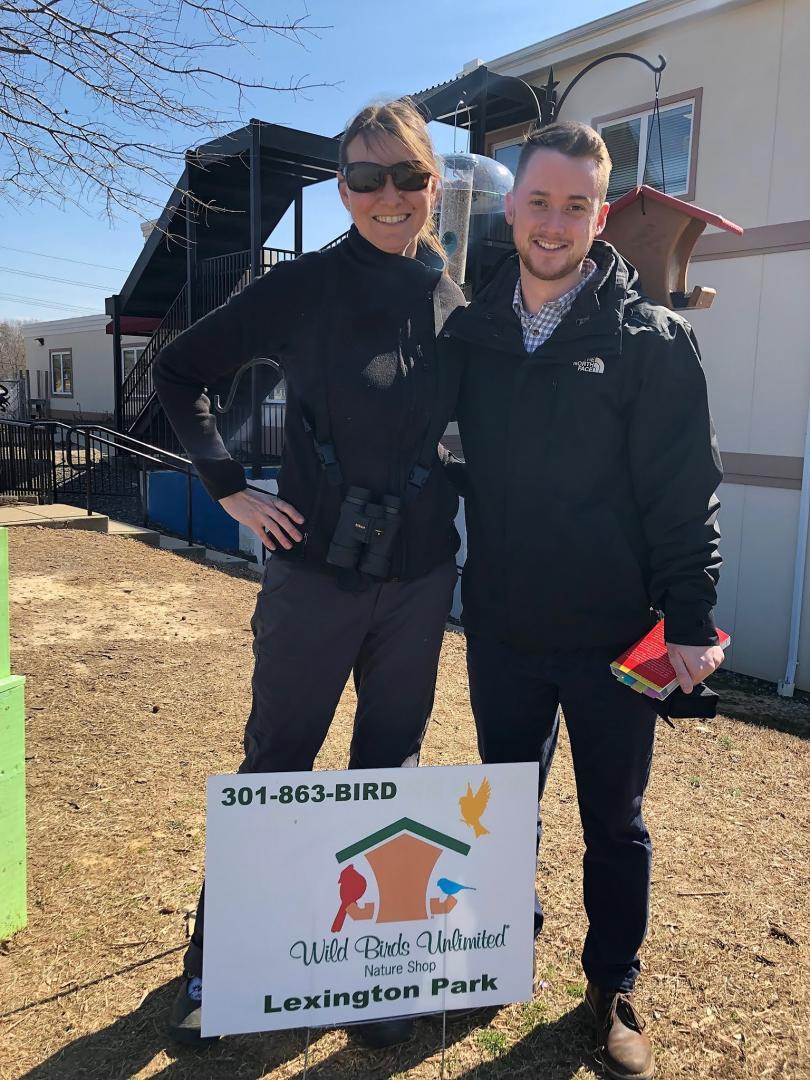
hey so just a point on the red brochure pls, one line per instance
(646, 666)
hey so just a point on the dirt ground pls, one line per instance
(138, 666)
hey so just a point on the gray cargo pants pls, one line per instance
(309, 635)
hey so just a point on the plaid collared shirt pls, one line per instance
(539, 328)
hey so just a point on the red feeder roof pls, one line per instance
(647, 192)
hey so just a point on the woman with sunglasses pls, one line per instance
(362, 535)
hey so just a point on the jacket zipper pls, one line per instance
(547, 442)
(552, 413)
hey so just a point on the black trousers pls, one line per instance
(309, 635)
(515, 698)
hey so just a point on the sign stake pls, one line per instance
(444, 1042)
(306, 1056)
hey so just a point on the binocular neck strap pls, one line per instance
(317, 424)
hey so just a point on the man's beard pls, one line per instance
(527, 251)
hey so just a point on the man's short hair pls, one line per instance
(572, 139)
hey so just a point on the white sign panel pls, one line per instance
(339, 897)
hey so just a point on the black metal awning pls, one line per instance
(494, 101)
(219, 175)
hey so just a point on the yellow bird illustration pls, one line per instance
(473, 806)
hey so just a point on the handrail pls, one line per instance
(110, 431)
(85, 430)
(175, 462)
(336, 241)
(216, 279)
(138, 387)
(184, 463)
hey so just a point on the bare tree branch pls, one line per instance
(90, 88)
(12, 348)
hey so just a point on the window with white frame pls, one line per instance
(130, 357)
(646, 149)
(62, 373)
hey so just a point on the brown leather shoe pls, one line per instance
(621, 1044)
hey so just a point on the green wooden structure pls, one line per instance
(13, 910)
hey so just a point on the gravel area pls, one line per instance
(138, 666)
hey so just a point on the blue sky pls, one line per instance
(373, 50)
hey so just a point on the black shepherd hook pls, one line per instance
(235, 384)
(554, 106)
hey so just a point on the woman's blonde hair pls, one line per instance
(403, 121)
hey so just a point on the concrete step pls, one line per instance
(53, 516)
(222, 558)
(182, 547)
(134, 532)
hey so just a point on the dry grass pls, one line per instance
(138, 669)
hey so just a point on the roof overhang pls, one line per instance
(479, 97)
(218, 174)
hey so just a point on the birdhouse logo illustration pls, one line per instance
(403, 859)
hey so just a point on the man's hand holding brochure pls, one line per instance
(648, 665)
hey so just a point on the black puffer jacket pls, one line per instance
(591, 469)
(352, 327)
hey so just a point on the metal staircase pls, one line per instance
(214, 281)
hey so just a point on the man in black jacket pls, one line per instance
(591, 472)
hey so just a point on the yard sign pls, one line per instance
(337, 897)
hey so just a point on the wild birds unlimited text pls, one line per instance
(374, 948)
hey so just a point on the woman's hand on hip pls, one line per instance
(271, 519)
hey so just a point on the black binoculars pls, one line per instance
(365, 533)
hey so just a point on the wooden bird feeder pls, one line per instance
(657, 234)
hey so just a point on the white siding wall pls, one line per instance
(753, 161)
(756, 351)
(91, 346)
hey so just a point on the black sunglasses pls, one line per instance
(364, 177)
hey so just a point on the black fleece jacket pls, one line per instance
(591, 469)
(353, 329)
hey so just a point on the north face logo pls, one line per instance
(594, 364)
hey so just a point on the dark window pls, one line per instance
(508, 155)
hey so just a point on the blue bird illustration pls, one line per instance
(450, 888)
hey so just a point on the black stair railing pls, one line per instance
(335, 242)
(222, 276)
(216, 280)
(138, 387)
(27, 460)
(219, 278)
(55, 461)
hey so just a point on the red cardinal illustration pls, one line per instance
(352, 887)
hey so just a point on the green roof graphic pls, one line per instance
(403, 825)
